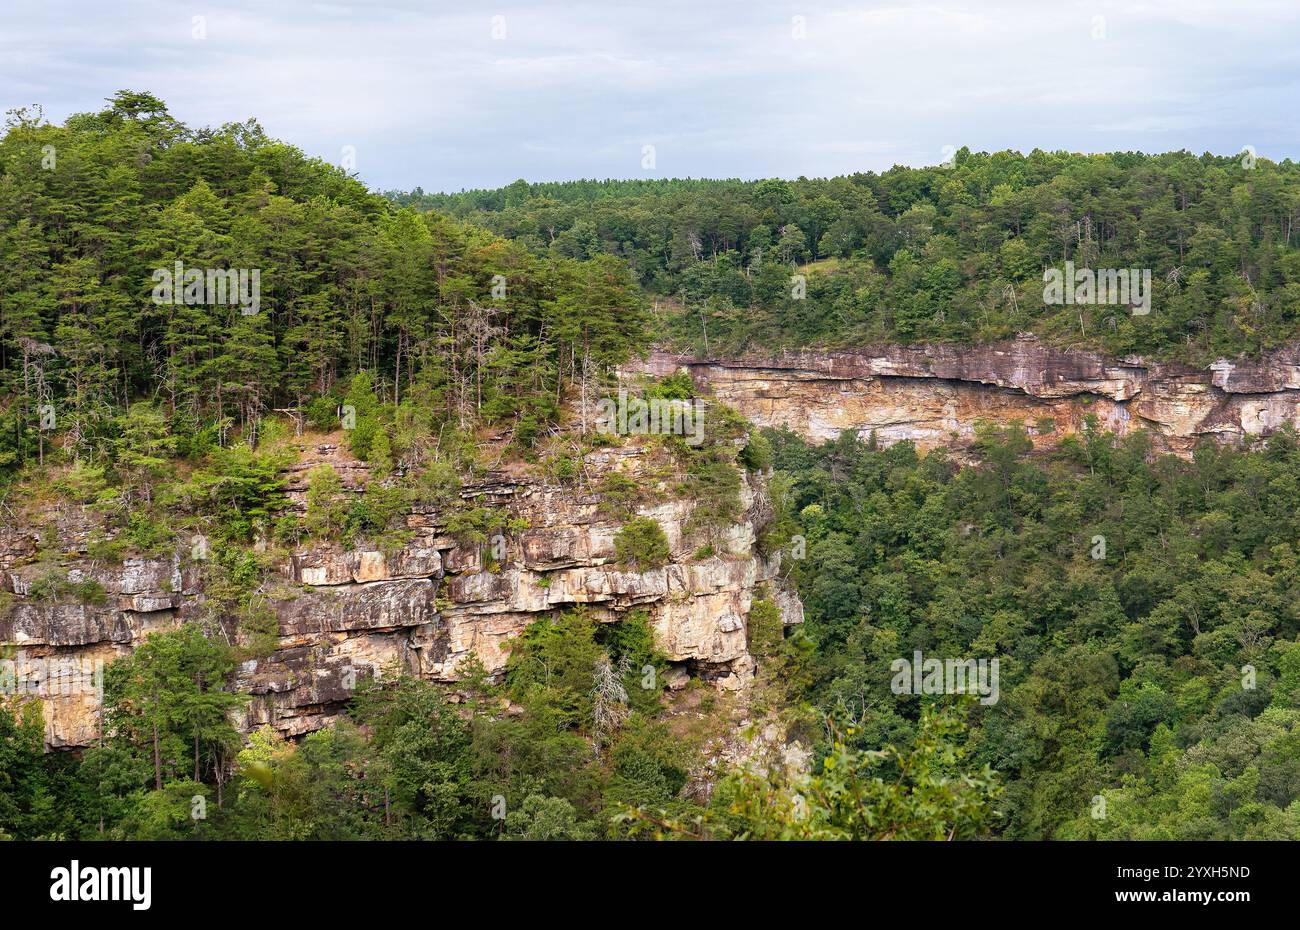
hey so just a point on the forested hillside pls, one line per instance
(452, 324)
(944, 253)
(382, 365)
(1143, 609)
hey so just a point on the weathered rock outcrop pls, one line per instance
(423, 608)
(934, 395)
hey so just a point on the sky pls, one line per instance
(447, 96)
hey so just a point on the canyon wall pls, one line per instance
(422, 607)
(935, 395)
(428, 604)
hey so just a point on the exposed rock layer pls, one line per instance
(935, 395)
(347, 615)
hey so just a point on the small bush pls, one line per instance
(148, 536)
(765, 628)
(326, 509)
(437, 484)
(56, 586)
(677, 386)
(618, 493)
(642, 543)
(473, 524)
(376, 513)
(564, 468)
(323, 413)
(757, 455)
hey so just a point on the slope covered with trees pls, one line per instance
(450, 324)
(951, 253)
(1142, 608)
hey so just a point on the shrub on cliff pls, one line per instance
(764, 628)
(677, 386)
(326, 511)
(757, 455)
(239, 487)
(58, 586)
(715, 488)
(642, 543)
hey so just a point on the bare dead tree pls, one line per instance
(481, 332)
(609, 698)
(35, 355)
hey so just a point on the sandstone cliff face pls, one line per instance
(347, 615)
(934, 395)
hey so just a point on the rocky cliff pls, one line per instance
(935, 395)
(422, 607)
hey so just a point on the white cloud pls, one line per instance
(428, 96)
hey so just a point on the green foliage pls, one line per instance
(713, 480)
(554, 660)
(714, 486)
(677, 386)
(543, 818)
(150, 535)
(641, 543)
(25, 784)
(238, 488)
(619, 494)
(757, 454)
(764, 628)
(315, 790)
(929, 791)
(360, 302)
(167, 813)
(327, 511)
(57, 585)
(650, 768)
(421, 747)
(144, 448)
(83, 483)
(381, 508)
(361, 415)
(323, 412)
(938, 253)
(168, 706)
(631, 645)
(473, 524)
(1121, 674)
(437, 484)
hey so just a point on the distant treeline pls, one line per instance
(941, 253)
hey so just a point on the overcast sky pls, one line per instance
(452, 95)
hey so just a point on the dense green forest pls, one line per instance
(951, 253)
(1142, 607)
(452, 325)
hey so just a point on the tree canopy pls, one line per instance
(952, 253)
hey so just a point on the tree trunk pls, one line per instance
(157, 759)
